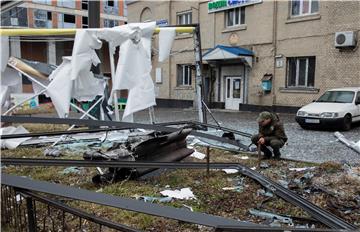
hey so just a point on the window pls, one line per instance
(235, 17)
(14, 17)
(42, 19)
(125, 9)
(85, 22)
(110, 23)
(84, 4)
(66, 3)
(184, 18)
(304, 7)
(69, 18)
(184, 74)
(110, 3)
(48, 2)
(111, 7)
(301, 71)
(66, 21)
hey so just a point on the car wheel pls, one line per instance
(347, 123)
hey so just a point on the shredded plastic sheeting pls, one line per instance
(62, 88)
(83, 54)
(12, 143)
(4, 52)
(198, 155)
(183, 194)
(230, 170)
(166, 39)
(134, 67)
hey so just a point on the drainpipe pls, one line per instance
(170, 57)
(275, 52)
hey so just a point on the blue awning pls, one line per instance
(221, 52)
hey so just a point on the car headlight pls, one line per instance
(329, 115)
(301, 113)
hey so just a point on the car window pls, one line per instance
(337, 96)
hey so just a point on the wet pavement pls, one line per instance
(305, 145)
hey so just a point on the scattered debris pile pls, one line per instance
(151, 146)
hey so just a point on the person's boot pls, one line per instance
(267, 152)
(277, 153)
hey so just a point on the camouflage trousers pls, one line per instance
(275, 144)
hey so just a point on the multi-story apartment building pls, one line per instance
(58, 14)
(257, 53)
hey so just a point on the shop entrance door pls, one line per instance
(233, 93)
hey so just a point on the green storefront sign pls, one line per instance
(220, 5)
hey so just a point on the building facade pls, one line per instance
(281, 54)
(58, 14)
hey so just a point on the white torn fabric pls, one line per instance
(87, 87)
(4, 97)
(11, 77)
(38, 88)
(83, 54)
(4, 52)
(62, 88)
(198, 155)
(230, 171)
(134, 67)
(12, 143)
(166, 39)
(11, 82)
(116, 35)
(184, 193)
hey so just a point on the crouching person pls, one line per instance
(271, 133)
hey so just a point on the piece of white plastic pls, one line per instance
(59, 89)
(134, 67)
(230, 171)
(198, 155)
(12, 143)
(62, 88)
(184, 193)
(166, 39)
(83, 54)
(4, 52)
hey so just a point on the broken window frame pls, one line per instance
(42, 16)
(84, 24)
(110, 23)
(66, 3)
(63, 24)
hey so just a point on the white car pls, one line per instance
(335, 108)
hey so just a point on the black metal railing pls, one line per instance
(24, 210)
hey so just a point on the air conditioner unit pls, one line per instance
(345, 39)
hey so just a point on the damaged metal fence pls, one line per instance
(115, 125)
(24, 210)
(316, 212)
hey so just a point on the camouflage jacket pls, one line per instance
(275, 130)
